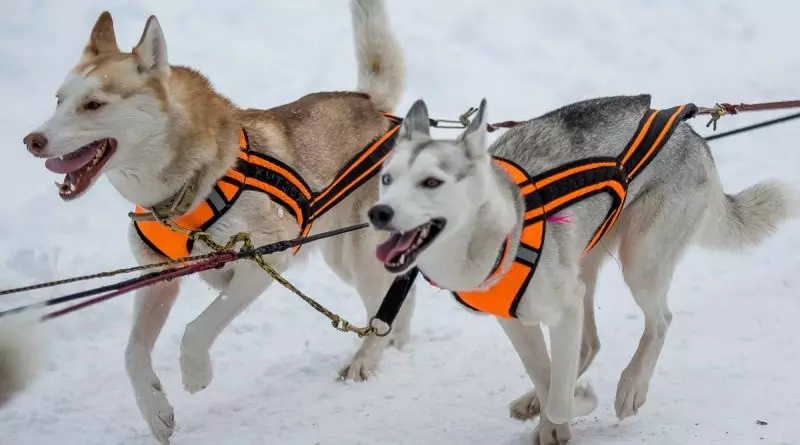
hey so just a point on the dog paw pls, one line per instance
(361, 368)
(528, 407)
(548, 433)
(196, 369)
(157, 411)
(585, 400)
(525, 407)
(631, 395)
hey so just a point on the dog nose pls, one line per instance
(36, 143)
(380, 215)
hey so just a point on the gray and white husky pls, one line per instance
(450, 208)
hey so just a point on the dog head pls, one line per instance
(430, 188)
(110, 110)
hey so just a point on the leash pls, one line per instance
(222, 255)
(724, 109)
(716, 112)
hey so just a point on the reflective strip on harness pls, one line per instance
(259, 172)
(561, 187)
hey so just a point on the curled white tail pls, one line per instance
(381, 71)
(747, 218)
(20, 354)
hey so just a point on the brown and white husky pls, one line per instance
(151, 127)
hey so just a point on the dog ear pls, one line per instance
(416, 124)
(151, 51)
(103, 40)
(474, 137)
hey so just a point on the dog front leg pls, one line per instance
(246, 284)
(565, 346)
(152, 307)
(352, 257)
(528, 341)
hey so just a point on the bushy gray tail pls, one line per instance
(381, 70)
(743, 220)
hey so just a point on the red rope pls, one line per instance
(719, 110)
(163, 276)
(505, 124)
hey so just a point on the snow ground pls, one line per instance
(730, 357)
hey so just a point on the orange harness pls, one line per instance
(561, 187)
(259, 172)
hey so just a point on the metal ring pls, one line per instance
(375, 330)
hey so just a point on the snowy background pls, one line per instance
(730, 358)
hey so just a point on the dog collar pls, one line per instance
(176, 205)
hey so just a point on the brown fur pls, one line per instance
(173, 129)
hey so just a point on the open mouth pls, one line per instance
(81, 167)
(401, 249)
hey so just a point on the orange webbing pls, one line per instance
(289, 176)
(574, 196)
(168, 242)
(663, 133)
(515, 173)
(501, 296)
(581, 168)
(639, 137)
(355, 165)
(277, 193)
(304, 234)
(608, 224)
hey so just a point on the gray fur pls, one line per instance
(675, 199)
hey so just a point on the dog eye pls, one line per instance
(386, 179)
(431, 183)
(92, 105)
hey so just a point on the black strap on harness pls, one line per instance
(288, 189)
(394, 299)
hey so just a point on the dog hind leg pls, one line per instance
(655, 231)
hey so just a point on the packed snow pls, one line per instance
(727, 374)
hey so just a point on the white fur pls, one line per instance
(151, 130)
(448, 200)
(138, 124)
(381, 70)
(482, 208)
(71, 127)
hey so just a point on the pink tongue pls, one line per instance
(58, 165)
(395, 245)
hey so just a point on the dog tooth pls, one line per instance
(72, 188)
